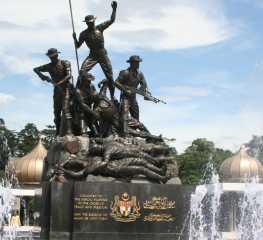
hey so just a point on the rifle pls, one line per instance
(146, 94)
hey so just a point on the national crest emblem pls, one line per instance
(125, 209)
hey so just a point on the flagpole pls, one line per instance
(73, 28)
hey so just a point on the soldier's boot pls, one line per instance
(125, 130)
(125, 119)
(57, 124)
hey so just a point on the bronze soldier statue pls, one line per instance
(86, 90)
(128, 81)
(94, 39)
(60, 75)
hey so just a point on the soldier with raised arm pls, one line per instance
(94, 39)
(60, 75)
(128, 80)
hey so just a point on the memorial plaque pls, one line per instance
(129, 211)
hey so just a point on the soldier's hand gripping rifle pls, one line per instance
(146, 94)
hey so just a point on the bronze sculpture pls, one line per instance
(106, 150)
(111, 157)
(132, 82)
(85, 90)
(98, 135)
(60, 75)
(127, 80)
(94, 39)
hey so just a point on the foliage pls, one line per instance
(48, 135)
(22, 142)
(193, 162)
(11, 141)
(27, 139)
(4, 148)
(256, 147)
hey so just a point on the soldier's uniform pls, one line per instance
(94, 40)
(86, 90)
(61, 95)
(133, 79)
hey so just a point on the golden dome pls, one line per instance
(241, 168)
(30, 167)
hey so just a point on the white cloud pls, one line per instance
(35, 109)
(228, 131)
(5, 98)
(140, 24)
(182, 93)
(36, 26)
(179, 27)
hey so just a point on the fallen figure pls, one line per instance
(120, 158)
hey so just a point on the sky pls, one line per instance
(204, 57)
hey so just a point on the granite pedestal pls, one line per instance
(116, 211)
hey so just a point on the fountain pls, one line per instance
(7, 200)
(233, 209)
(205, 209)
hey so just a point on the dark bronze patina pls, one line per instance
(94, 39)
(98, 135)
(127, 80)
(60, 75)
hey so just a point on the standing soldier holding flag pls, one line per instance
(94, 39)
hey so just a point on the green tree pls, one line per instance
(12, 141)
(48, 135)
(219, 156)
(194, 161)
(255, 146)
(4, 148)
(27, 139)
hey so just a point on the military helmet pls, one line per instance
(90, 18)
(52, 52)
(134, 58)
(86, 76)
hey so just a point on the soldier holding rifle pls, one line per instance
(60, 75)
(128, 82)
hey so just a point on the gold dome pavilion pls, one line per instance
(241, 168)
(29, 168)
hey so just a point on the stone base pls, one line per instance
(122, 236)
(117, 211)
(59, 235)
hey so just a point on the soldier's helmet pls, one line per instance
(90, 18)
(52, 52)
(86, 76)
(134, 58)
